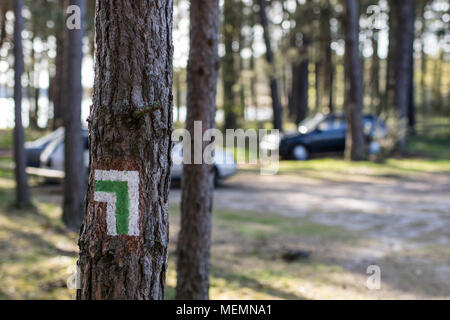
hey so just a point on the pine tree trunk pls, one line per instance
(375, 75)
(22, 189)
(229, 76)
(389, 96)
(327, 69)
(423, 61)
(403, 65)
(253, 95)
(33, 76)
(178, 95)
(75, 178)
(437, 83)
(276, 105)
(411, 102)
(299, 92)
(124, 240)
(423, 84)
(302, 110)
(317, 85)
(354, 148)
(194, 239)
(2, 24)
(59, 87)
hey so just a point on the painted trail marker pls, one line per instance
(120, 191)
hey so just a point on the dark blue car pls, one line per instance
(325, 134)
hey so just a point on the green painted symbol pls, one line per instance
(122, 212)
(120, 191)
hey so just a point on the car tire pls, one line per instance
(300, 153)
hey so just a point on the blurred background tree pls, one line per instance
(307, 41)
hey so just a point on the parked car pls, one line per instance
(34, 149)
(52, 157)
(224, 163)
(324, 134)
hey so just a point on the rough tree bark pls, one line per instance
(276, 105)
(123, 243)
(22, 190)
(354, 149)
(194, 240)
(75, 179)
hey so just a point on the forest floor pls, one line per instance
(338, 217)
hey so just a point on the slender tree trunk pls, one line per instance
(241, 66)
(411, 99)
(300, 85)
(327, 69)
(437, 82)
(354, 148)
(375, 75)
(411, 102)
(3, 10)
(403, 66)
(178, 95)
(423, 61)
(389, 97)
(33, 76)
(317, 85)
(229, 76)
(253, 95)
(423, 84)
(276, 105)
(59, 88)
(124, 239)
(75, 179)
(194, 240)
(303, 92)
(22, 189)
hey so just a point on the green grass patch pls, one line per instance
(263, 226)
(434, 148)
(391, 166)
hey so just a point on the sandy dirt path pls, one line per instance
(405, 220)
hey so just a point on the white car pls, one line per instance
(52, 157)
(224, 163)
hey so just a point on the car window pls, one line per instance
(310, 123)
(333, 124)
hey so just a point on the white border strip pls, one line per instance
(132, 177)
(110, 199)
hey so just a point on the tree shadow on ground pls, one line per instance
(244, 281)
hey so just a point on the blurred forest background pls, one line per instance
(272, 75)
(307, 39)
